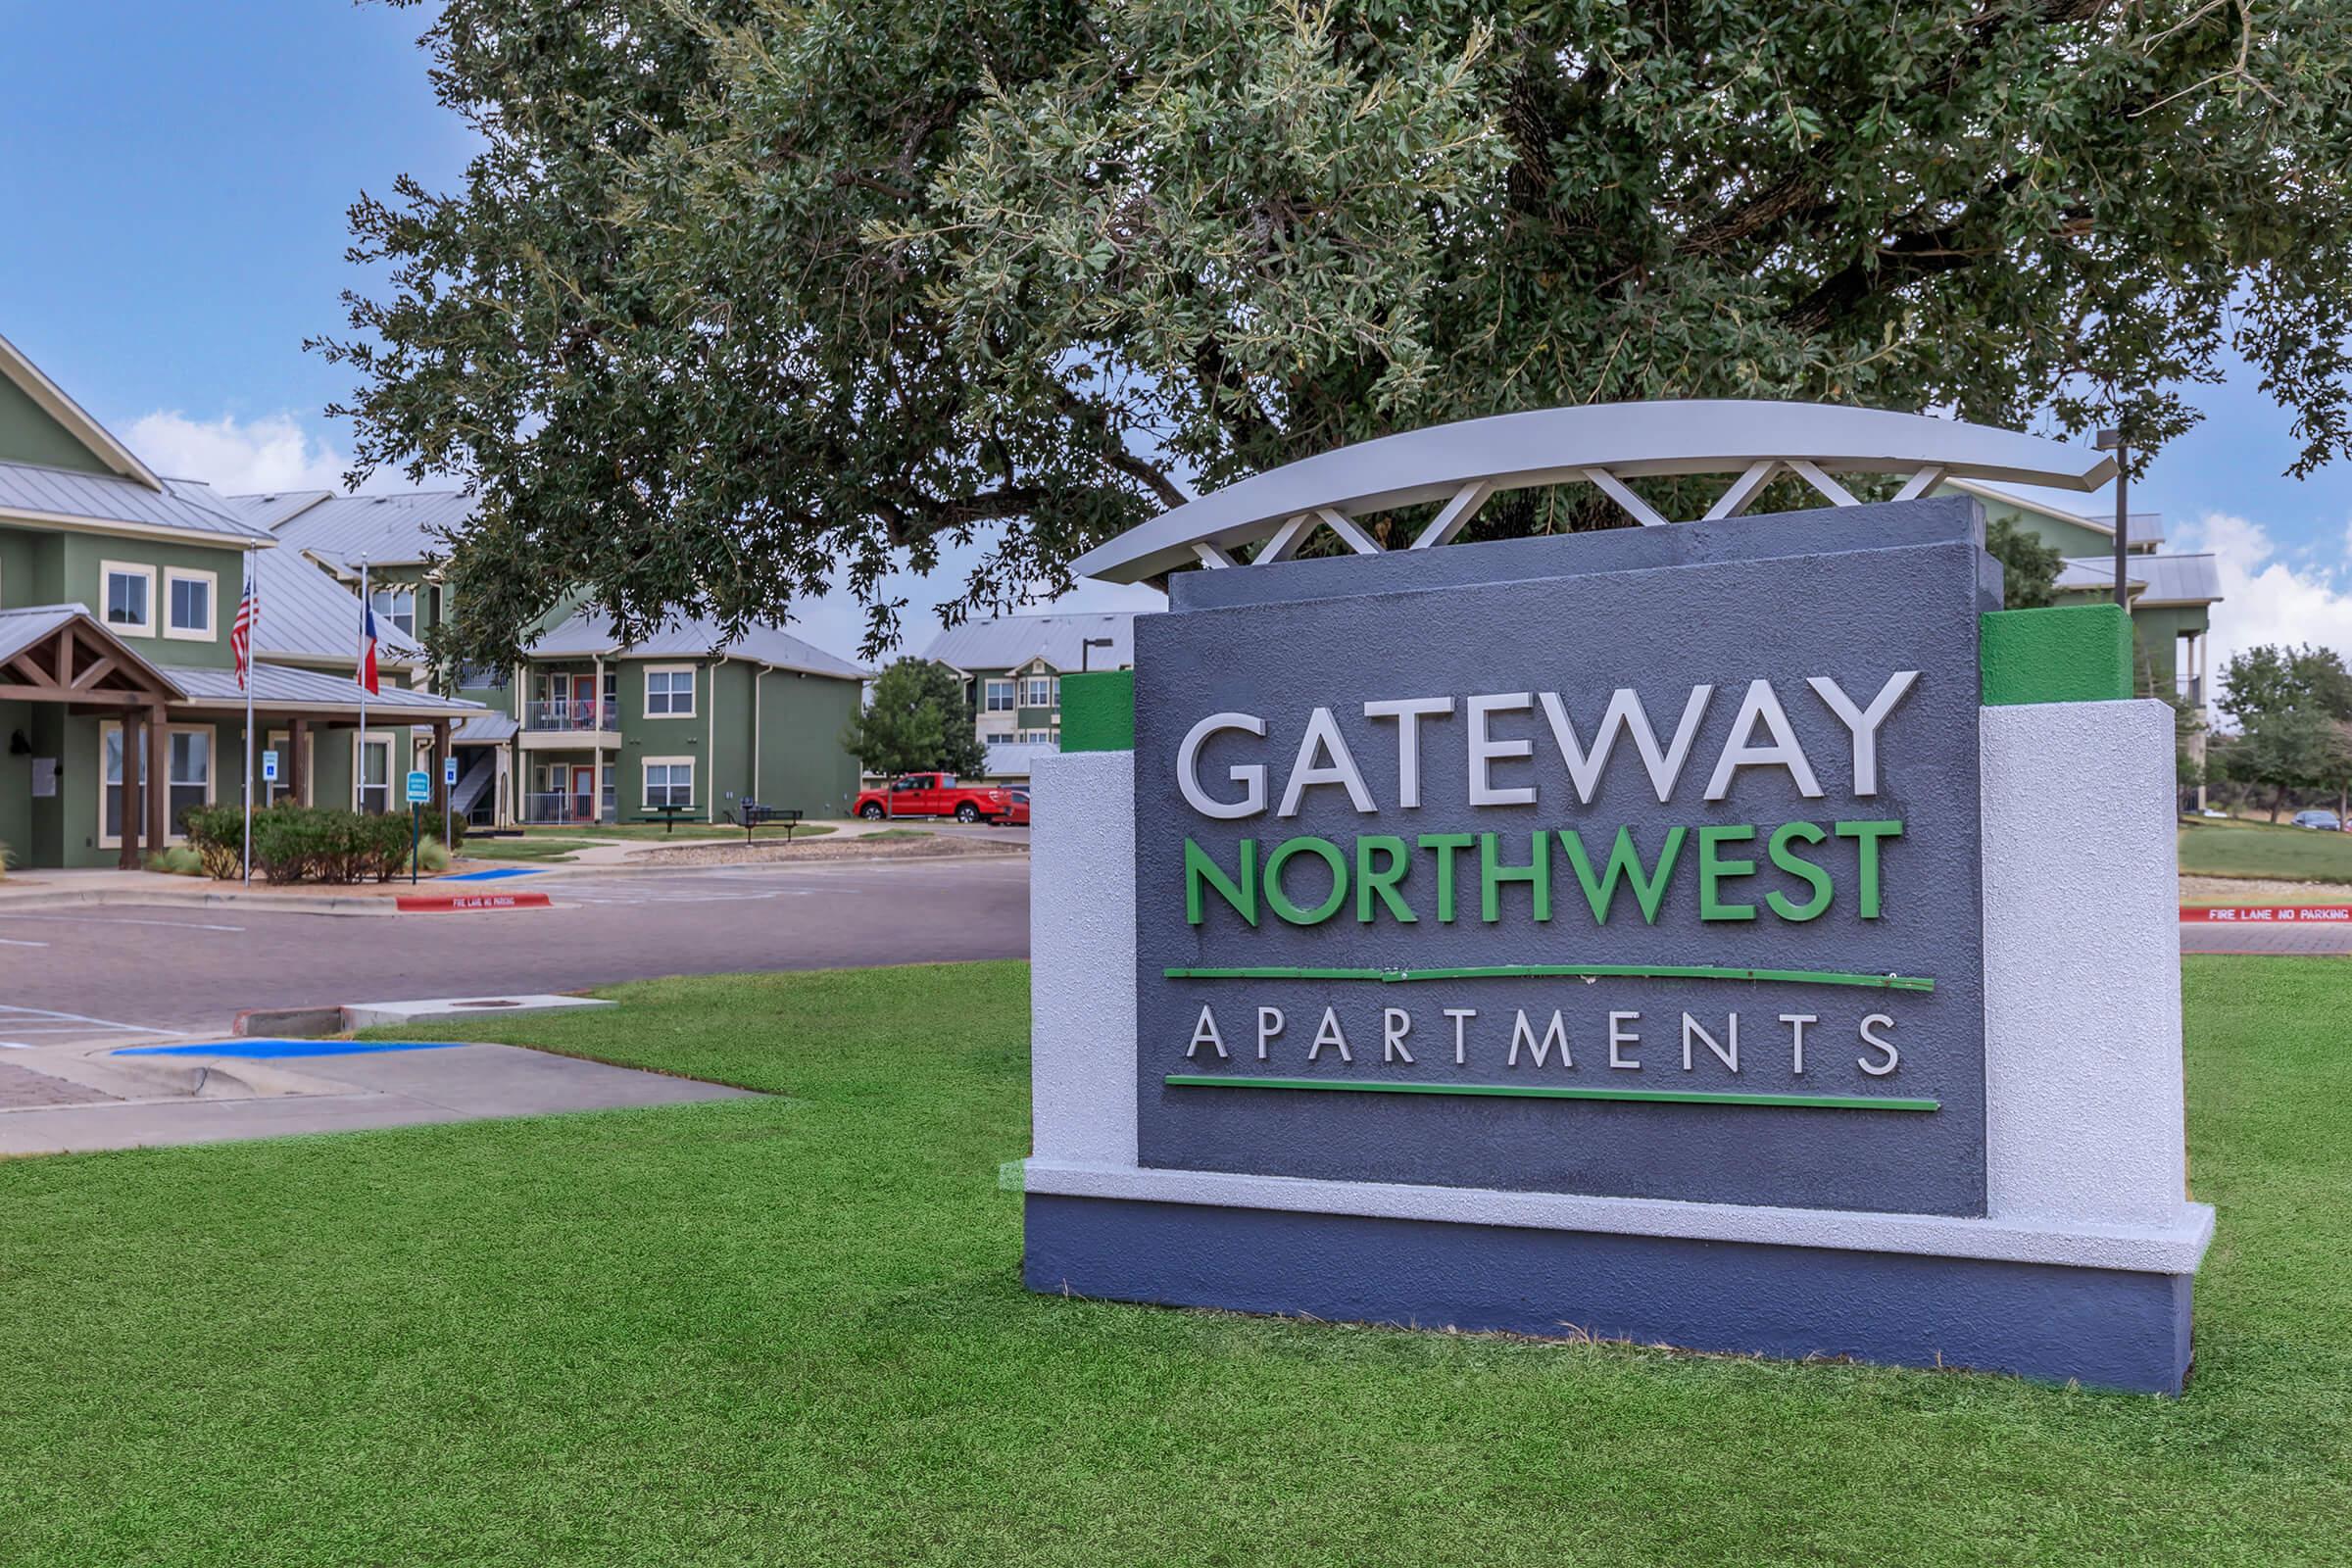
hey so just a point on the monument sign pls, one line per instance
(1709, 933)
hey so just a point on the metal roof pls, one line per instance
(1463, 464)
(25, 627)
(589, 634)
(284, 686)
(1016, 758)
(182, 507)
(307, 613)
(269, 510)
(2164, 580)
(1009, 642)
(394, 530)
(2147, 527)
(485, 729)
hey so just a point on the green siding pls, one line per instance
(644, 735)
(800, 761)
(32, 567)
(81, 563)
(30, 435)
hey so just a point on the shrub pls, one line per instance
(216, 837)
(311, 844)
(177, 861)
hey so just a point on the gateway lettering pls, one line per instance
(1817, 862)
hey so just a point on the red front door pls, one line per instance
(583, 794)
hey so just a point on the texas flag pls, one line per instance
(367, 647)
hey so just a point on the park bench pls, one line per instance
(750, 816)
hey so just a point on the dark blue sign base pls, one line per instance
(2099, 1327)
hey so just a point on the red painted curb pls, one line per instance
(450, 903)
(2269, 914)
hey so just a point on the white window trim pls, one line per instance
(1012, 691)
(694, 690)
(108, 571)
(212, 777)
(645, 768)
(210, 581)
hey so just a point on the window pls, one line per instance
(668, 781)
(1041, 692)
(188, 604)
(670, 691)
(189, 750)
(397, 605)
(997, 697)
(191, 754)
(1039, 736)
(129, 597)
(376, 774)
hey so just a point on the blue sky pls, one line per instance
(172, 191)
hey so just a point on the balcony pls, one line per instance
(565, 722)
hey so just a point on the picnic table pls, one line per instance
(666, 816)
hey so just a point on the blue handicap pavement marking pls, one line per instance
(497, 873)
(269, 1050)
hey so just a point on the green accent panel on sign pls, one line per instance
(1567, 971)
(1097, 711)
(2067, 654)
(1187, 1080)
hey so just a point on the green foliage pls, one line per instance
(915, 721)
(2028, 568)
(316, 844)
(737, 294)
(176, 860)
(2293, 706)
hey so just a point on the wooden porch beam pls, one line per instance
(55, 694)
(158, 775)
(94, 675)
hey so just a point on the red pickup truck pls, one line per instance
(934, 795)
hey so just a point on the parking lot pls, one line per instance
(96, 971)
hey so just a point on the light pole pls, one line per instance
(2114, 441)
(1086, 646)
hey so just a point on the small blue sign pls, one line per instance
(421, 786)
(449, 771)
(269, 768)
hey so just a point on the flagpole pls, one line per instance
(252, 617)
(359, 761)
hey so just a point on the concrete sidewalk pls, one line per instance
(59, 1100)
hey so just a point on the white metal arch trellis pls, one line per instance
(1463, 465)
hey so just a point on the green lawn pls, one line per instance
(791, 1331)
(2210, 846)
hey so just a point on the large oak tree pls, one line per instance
(738, 292)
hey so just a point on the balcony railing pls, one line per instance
(573, 714)
(543, 809)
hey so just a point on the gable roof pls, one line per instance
(174, 508)
(51, 399)
(306, 614)
(589, 633)
(30, 626)
(285, 686)
(1008, 642)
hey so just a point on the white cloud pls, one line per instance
(2265, 597)
(271, 452)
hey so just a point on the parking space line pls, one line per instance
(43, 1020)
(98, 919)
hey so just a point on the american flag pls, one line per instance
(240, 635)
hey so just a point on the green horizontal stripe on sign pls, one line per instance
(1569, 971)
(1184, 1080)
